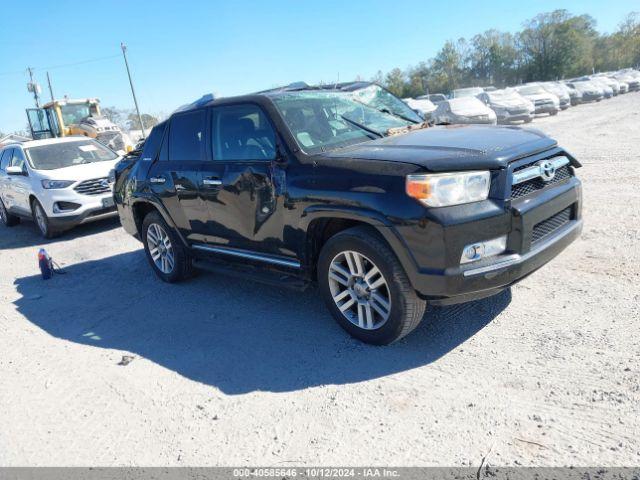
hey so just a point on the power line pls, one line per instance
(63, 65)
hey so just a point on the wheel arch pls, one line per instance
(141, 207)
(320, 224)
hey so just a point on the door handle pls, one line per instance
(212, 181)
(157, 180)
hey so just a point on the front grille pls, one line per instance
(535, 184)
(95, 186)
(545, 228)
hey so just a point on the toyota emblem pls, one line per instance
(547, 170)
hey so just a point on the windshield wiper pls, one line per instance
(363, 127)
(406, 119)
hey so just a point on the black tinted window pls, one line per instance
(152, 143)
(4, 159)
(186, 136)
(242, 132)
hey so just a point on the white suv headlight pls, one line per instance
(445, 189)
(55, 184)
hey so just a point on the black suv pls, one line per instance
(384, 215)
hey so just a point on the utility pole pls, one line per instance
(33, 87)
(135, 100)
(50, 88)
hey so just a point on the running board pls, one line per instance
(235, 252)
(249, 272)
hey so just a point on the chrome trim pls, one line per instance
(537, 170)
(250, 255)
(520, 258)
(211, 181)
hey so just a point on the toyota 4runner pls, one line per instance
(385, 215)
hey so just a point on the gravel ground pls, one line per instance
(225, 372)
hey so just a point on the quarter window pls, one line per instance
(242, 132)
(5, 157)
(186, 136)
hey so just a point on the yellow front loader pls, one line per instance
(62, 118)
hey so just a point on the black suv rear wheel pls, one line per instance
(366, 288)
(167, 255)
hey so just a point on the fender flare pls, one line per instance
(153, 201)
(380, 223)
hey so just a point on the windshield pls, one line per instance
(531, 90)
(68, 154)
(74, 113)
(322, 121)
(501, 96)
(467, 92)
(382, 100)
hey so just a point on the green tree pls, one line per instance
(395, 82)
(134, 122)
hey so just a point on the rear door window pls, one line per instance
(242, 133)
(187, 136)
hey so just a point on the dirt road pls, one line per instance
(226, 372)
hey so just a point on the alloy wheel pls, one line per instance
(359, 290)
(41, 219)
(160, 248)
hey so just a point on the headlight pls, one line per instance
(445, 189)
(51, 184)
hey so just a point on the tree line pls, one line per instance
(551, 46)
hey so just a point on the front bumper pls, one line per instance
(545, 108)
(91, 207)
(445, 281)
(507, 117)
(461, 120)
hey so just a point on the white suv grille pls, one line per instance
(95, 186)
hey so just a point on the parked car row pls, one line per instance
(523, 102)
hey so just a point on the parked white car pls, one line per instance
(544, 101)
(422, 105)
(462, 111)
(59, 183)
(509, 105)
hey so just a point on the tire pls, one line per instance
(8, 219)
(553, 113)
(171, 260)
(367, 323)
(528, 120)
(42, 220)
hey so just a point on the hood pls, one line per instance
(86, 171)
(453, 147)
(510, 103)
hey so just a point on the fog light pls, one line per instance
(62, 207)
(480, 250)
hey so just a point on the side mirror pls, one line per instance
(15, 171)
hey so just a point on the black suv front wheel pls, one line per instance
(167, 255)
(366, 288)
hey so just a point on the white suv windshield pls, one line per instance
(68, 154)
(322, 121)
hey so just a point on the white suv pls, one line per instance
(59, 183)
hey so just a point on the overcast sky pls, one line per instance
(180, 50)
